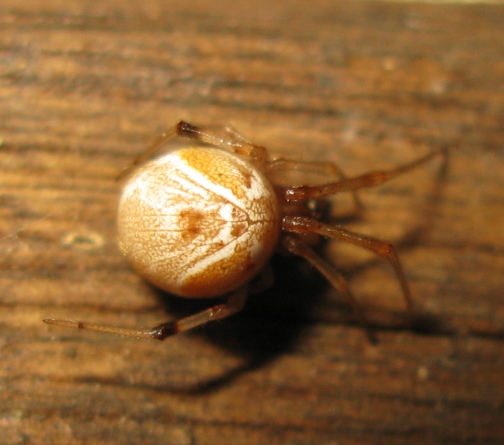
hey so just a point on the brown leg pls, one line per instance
(237, 143)
(184, 129)
(297, 247)
(324, 168)
(181, 129)
(233, 305)
(384, 249)
(367, 180)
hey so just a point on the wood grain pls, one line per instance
(85, 86)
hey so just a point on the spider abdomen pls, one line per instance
(198, 222)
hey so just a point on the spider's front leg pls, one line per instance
(302, 225)
(327, 169)
(371, 179)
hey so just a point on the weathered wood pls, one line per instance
(86, 85)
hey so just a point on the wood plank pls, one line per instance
(86, 86)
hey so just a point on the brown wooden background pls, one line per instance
(84, 86)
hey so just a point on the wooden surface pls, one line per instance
(84, 86)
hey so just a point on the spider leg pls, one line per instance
(236, 142)
(371, 179)
(317, 167)
(162, 331)
(297, 247)
(184, 129)
(385, 249)
(243, 146)
(191, 131)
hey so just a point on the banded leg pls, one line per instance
(238, 143)
(371, 179)
(297, 247)
(325, 168)
(184, 129)
(385, 249)
(162, 331)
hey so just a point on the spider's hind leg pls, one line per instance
(234, 304)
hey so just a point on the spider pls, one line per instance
(203, 221)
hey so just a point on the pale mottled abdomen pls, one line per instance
(198, 222)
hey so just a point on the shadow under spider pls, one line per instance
(274, 320)
(271, 323)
